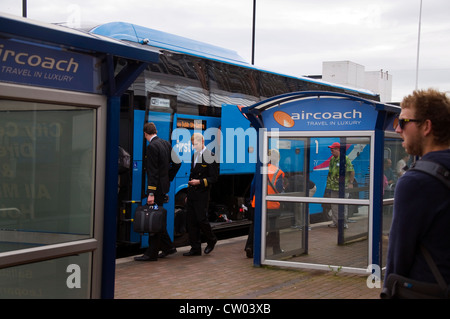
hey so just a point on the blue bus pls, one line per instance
(197, 86)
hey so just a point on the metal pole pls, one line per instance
(253, 32)
(418, 46)
(24, 8)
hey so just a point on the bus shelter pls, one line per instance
(294, 205)
(60, 94)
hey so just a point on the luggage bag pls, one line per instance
(150, 219)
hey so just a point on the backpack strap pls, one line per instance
(434, 269)
(433, 169)
(442, 174)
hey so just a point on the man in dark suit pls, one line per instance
(204, 172)
(161, 164)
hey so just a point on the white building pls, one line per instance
(354, 75)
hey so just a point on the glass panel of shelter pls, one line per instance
(396, 162)
(286, 221)
(297, 224)
(47, 160)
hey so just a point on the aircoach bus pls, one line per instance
(197, 86)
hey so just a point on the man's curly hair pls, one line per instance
(434, 106)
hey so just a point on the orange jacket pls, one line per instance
(273, 173)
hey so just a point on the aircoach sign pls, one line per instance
(324, 114)
(43, 66)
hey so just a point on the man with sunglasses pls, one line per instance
(421, 201)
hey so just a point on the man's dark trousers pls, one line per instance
(197, 219)
(158, 241)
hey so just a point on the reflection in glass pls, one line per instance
(290, 239)
(387, 221)
(52, 279)
(396, 162)
(302, 231)
(285, 230)
(47, 174)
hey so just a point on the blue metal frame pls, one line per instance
(257, 218)
(378, 191)
(110, 208)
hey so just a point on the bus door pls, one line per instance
(159, 110)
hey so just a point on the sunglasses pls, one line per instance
(402, 122)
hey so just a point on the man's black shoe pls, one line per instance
(167, 253)
(210, 247)
(193, 253)
(145, 258)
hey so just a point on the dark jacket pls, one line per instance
(207, 171)
(161, 164)
(421, 216)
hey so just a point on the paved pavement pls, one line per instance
(227, 273)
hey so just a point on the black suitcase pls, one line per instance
(150, 219)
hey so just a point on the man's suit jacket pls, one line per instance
(160, 167)
(207, 171)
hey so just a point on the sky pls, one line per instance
(292, 37)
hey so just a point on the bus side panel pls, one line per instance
(181, 143)
(238, 143)
(138, 135)
(162, 122)
(292, 154)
